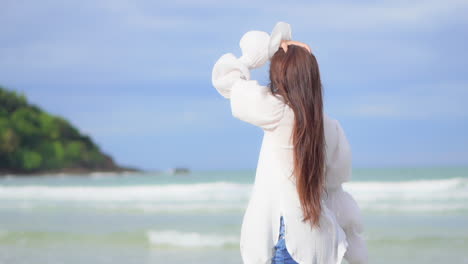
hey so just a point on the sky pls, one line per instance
(136, 75)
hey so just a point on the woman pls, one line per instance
(298, 211)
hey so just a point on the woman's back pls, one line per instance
(275, 195)
(275, 191)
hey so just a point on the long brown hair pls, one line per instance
(295, 76)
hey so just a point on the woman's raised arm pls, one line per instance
(250, 101)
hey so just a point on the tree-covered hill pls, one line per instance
(34, 141)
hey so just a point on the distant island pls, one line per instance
(33, 141)
(179, 171)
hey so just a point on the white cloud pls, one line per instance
(382, 15)
(139, 115)
(446, 101)
(147, 40)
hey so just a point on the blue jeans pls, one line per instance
(281, 255)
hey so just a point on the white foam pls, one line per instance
(190, 207)
(440, 189)
(424, 189)
(175, 192)
(173, 238)
(417, 195)
(412, 207)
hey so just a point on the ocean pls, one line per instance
(411, 215)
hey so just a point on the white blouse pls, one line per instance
(274, 190)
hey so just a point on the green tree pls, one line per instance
(11, 100)
(74, 150)
(26, 124)
(27, 159)
(48, 125)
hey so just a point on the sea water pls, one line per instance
(411, 215)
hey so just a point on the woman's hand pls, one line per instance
(285, 43)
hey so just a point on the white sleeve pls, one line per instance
(347, 211)
(250, 101)
(255, 104)
(338, 154)
(226, 71)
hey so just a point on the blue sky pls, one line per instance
(136, 75)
